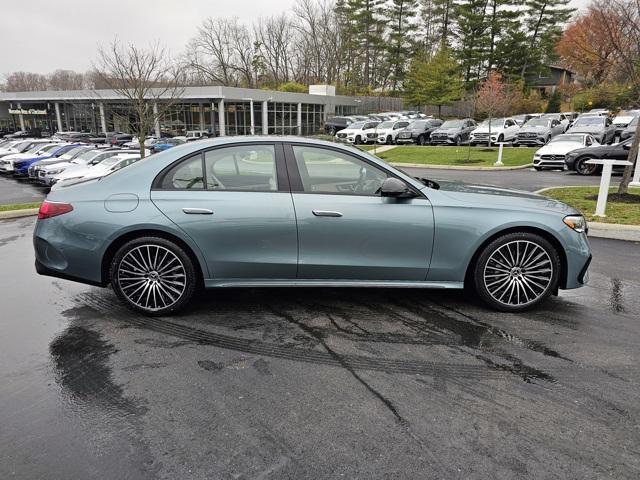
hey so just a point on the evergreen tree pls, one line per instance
(472, 29)
(400, 15)
(554, 103)
(434, 82)
(543, 22)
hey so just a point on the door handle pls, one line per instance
(326, 213)
(197, 211)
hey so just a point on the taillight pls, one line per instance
(53, 209)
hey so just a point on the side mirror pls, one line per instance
(392, 187)
(627, 146)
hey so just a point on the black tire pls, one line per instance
(389, 140)
(538, 169)
(146, 275)
(471, 144)
(332, 131)
(500, 138)
(582, 168)
(457, 141)
(358, 140)
(520, 281)
(421, 140)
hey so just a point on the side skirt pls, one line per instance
(250, 282)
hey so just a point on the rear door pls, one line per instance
(234, 202)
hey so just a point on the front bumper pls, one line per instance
(406, 140)
(556, 162)
(528, 141)
(442, 140)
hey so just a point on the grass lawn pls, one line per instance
(461, 156)
(19, 206)
(619, 210)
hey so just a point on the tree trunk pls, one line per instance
(633, 158)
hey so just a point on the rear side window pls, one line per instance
(186, 175)
(245, 167)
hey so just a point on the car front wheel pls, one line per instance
(584, 168)
(153, 275)
(517, 271)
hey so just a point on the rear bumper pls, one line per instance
(42, 269)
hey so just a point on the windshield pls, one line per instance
(452, 124)
(88, 155)
(537, 122)
(109, 162)
(589, 121)
(35, 148)
(50, 148)
(633, 122)
(495, 122)
(568, 138)
(386, 125)
(73, 152)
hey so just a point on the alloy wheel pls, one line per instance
(152, 277)
(518, 273)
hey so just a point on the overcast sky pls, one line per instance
(43, 35)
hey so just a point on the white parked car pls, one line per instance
(38, 149)
(500, 130)
(49, 173)
(622, 121)
(359, 132)
(552, 155)
(195, 135)
(388, 131)
(102, 169)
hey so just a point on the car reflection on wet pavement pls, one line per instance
(318, 383)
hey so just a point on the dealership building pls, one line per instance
(223, 110)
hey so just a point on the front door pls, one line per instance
(235, 203)
(346, 230)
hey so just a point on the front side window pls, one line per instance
(331, 172)
(244, 167)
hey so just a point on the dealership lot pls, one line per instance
(318, 383)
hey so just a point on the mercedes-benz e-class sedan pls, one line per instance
(289, 211)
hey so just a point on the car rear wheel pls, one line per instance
(517, 271)
(153, 275)
(584, 168)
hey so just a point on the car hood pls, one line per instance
(384, 131)
(534, 128)
(559, 148)
(446, 130)
(494, 129)
(488, 195)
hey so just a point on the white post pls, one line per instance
(213, 119)
(103, 119)
(253, 124)
(221, 119)
(156, 120)
(58, 116)
(265, 117)
(21, 118)
(605, 181)
(636, 173)
(299, 120)
(201, 117)
(499, 162)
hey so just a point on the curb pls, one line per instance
(25, 212)
(458, 167)
(615, 231)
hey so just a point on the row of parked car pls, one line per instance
(534, 129)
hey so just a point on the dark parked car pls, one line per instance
(119, 139)
(335, 124)
(577, 159)
(419, 131)
(630, 130)
(597, 125)
(453, 132)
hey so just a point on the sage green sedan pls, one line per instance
(296, 212)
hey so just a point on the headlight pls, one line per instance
(55, 172)
(576, 222)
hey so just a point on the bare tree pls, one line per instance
(275, 38)
(621, 21)
(147, 78)
(211, 51)
(24, 82)
(65, 80)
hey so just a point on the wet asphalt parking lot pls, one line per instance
(318, 383)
